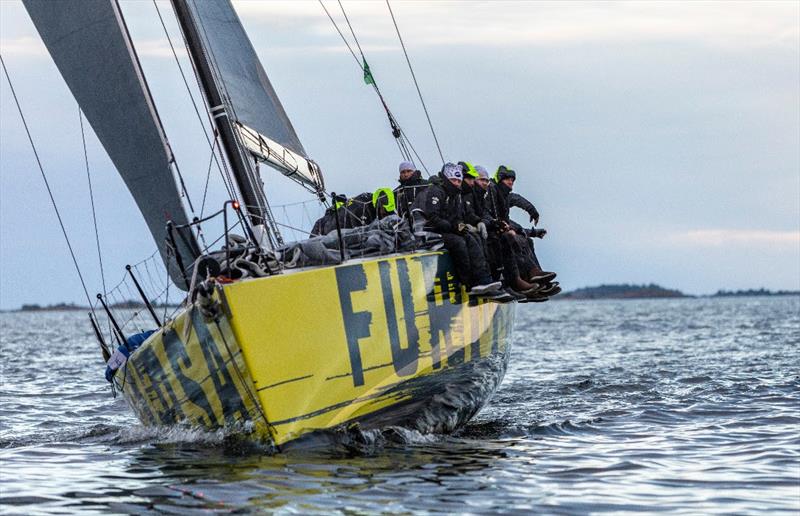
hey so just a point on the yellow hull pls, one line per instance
(380, 342)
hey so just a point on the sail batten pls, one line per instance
(286, 161)
(91, 47)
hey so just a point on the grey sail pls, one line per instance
(91, 47)
(264, 129)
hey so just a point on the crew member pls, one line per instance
(444, 211)
(502, 246)
(327, 222)
(473, 209)
(411, 186)
(504, 199)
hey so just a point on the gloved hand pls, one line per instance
(470, 228)
(482, 230)
(537, 233)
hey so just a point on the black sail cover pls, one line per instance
(253, 101)
(91, 47)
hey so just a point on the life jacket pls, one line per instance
(383, 198)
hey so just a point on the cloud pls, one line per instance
(504, 24)
(159, 48)
(25, 46)
(728, 237)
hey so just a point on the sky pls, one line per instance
(660, 141)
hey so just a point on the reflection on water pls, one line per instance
(671, 405)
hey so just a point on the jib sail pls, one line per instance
(92, 49)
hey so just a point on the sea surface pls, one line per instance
(673, 406)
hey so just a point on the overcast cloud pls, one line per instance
(660, 141)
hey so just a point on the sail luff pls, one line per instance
(93, 51)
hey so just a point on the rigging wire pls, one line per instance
(211, 143)
(208, 177)
(347, 43)
(194, 103)
(403, 143)
(224, 171)
(46, 183)
(151, 100)
(346, 19)
(416, 84)
(91, 198)
(252, 175)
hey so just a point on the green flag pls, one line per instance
(368, 78)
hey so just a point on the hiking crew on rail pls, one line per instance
(493, 256)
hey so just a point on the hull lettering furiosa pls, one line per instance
(393, 341)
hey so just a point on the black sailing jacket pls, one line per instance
(499, 199)
(472, 199)
(407, 193)
(443, 207)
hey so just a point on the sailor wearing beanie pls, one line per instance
(444, 210)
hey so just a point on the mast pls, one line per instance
(245, 177)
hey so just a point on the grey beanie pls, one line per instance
(407, 165)
(482, 172)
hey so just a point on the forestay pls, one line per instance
(92, 49)
(264, 128)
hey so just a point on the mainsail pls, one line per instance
(92, 49)
(254, 107)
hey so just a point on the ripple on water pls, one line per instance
(648, 406)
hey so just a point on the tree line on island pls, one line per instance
(123, 305)
(653, 291)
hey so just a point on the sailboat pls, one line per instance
(287, 351)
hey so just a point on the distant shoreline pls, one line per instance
(72, 307)
(653, 291)
(613, 291)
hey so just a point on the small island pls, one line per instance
(52, 308)
(128, 304)
(755, 292)
(622, 291)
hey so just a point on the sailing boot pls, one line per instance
(501, 296)
(533, 300)
(536, 295)
(537, 275)
(518, 296)
(485, 287)
(551, 290)
(520, 285)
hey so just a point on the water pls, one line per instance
(687, 406)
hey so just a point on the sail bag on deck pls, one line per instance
(92, 49)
